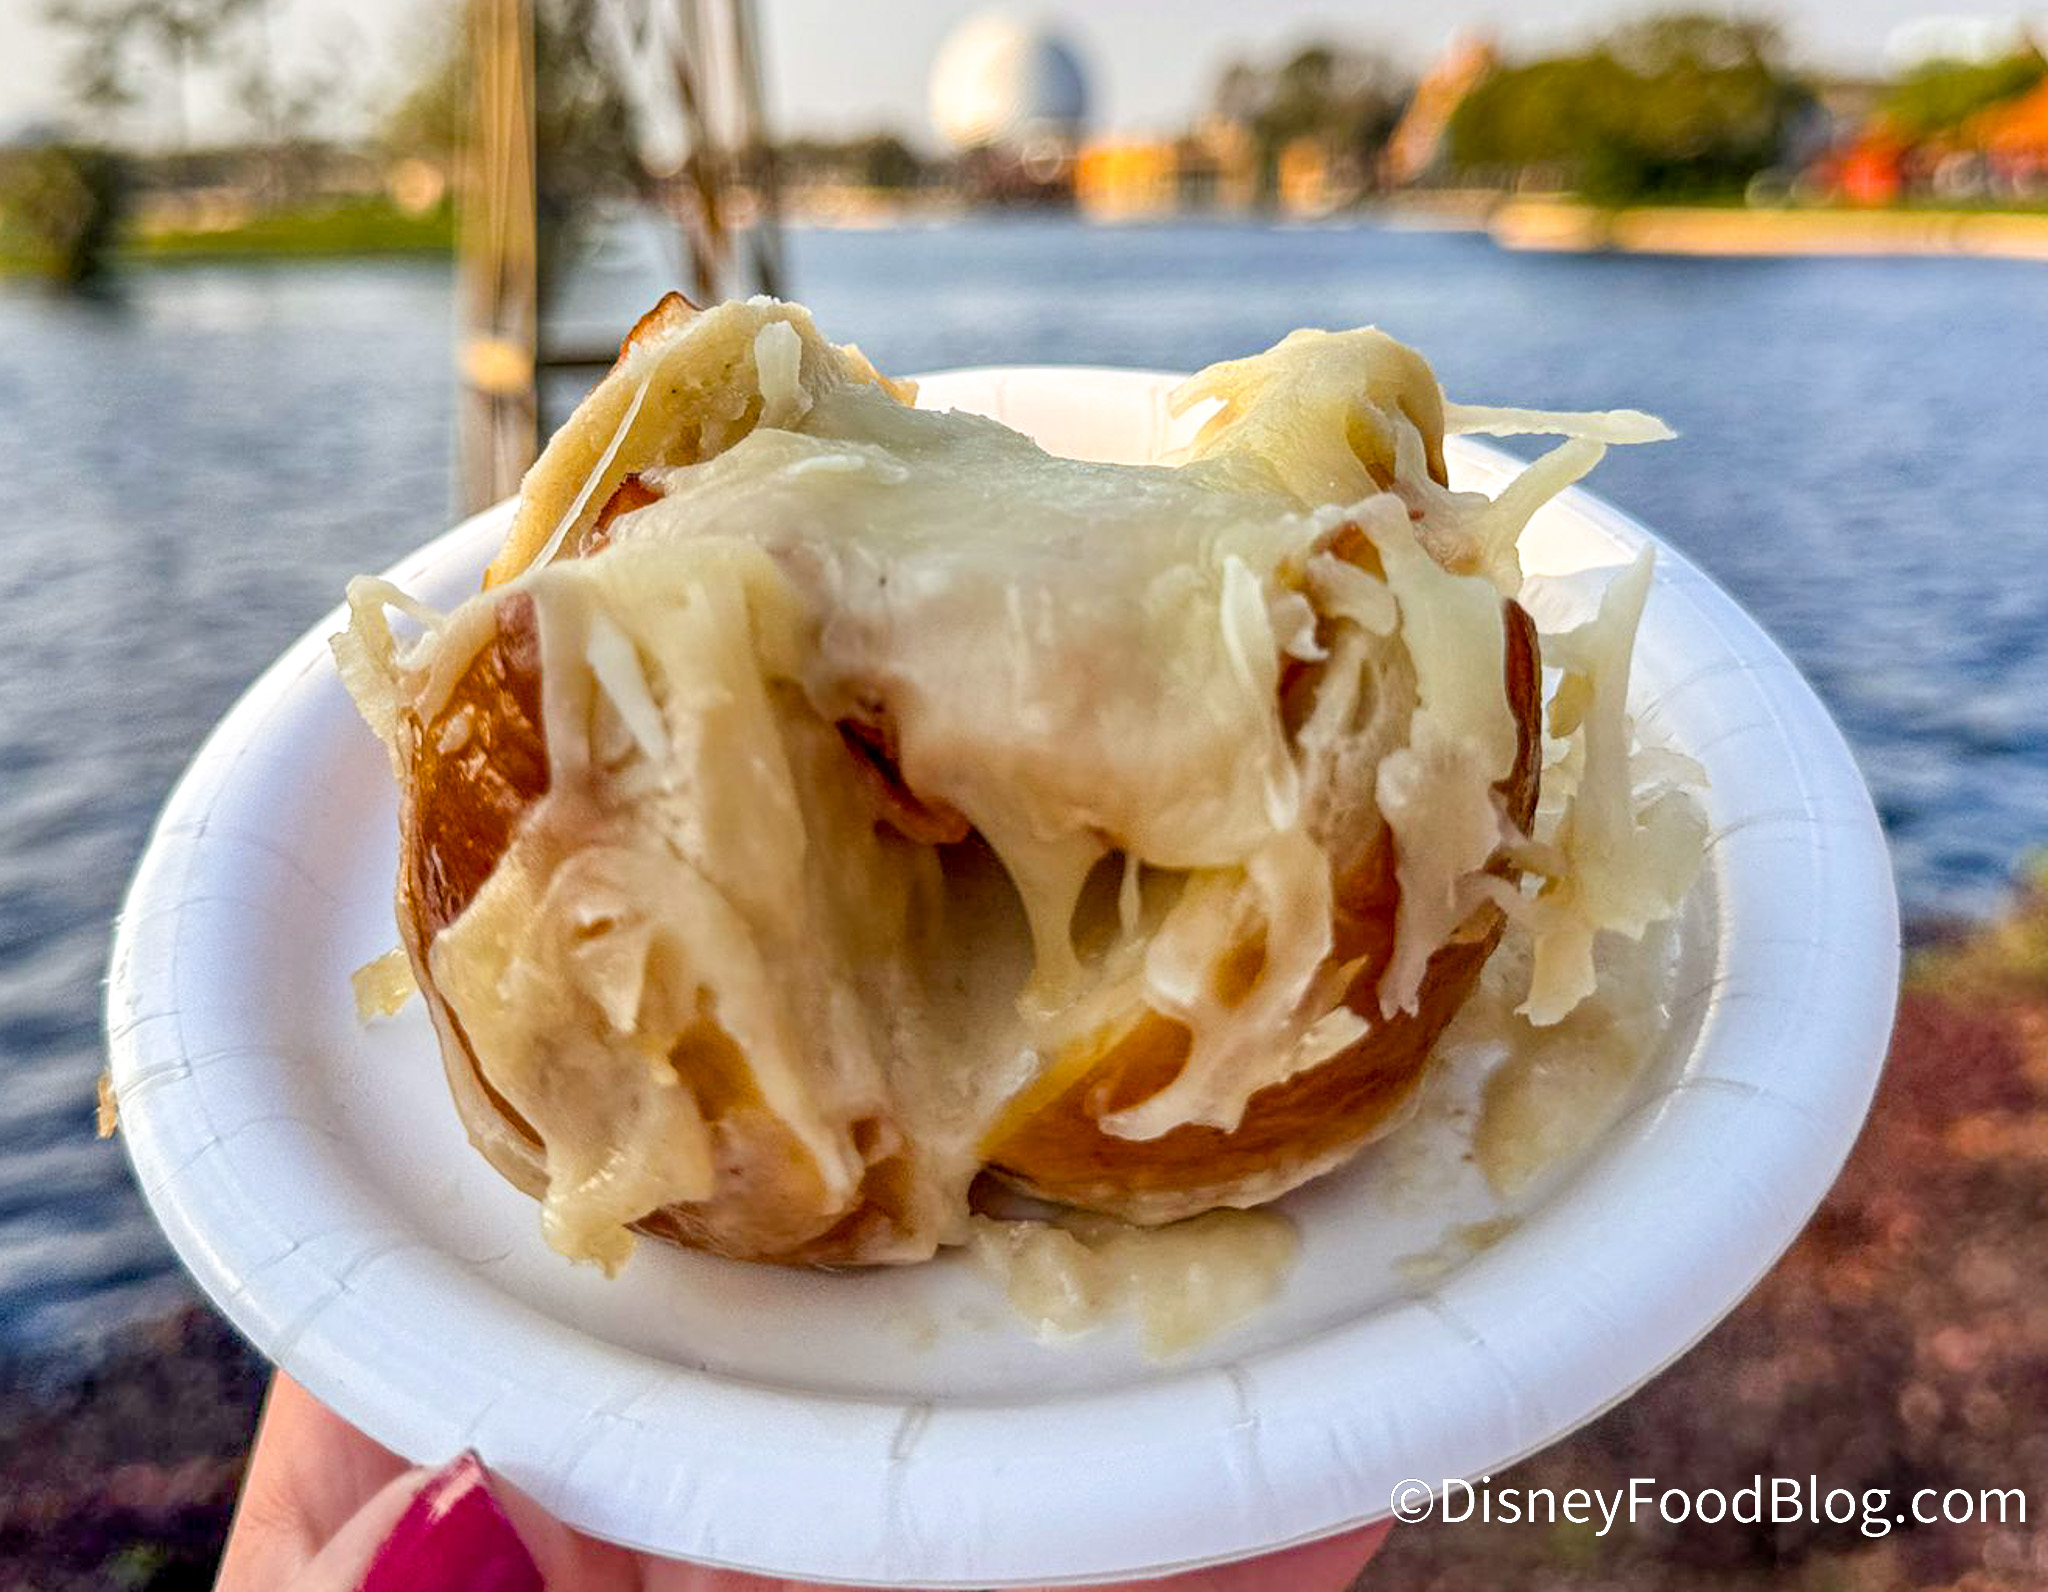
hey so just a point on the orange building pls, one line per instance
(1115, 178)
(1872, 170)
(1209, 169)
(1306, 184)
(2014, 135)
(1416, 149)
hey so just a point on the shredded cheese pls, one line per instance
(1628, 837)
(1084, 662)
(383, 985)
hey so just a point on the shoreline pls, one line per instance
(1570, 226)
(1547, 225)
(1553, 225)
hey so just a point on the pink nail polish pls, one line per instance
(453, 1537)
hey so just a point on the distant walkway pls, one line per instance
(1573, 227)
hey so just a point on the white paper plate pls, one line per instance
(900, 1428)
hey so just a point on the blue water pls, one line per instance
(187, 478)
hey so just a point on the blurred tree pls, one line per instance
(284, 108)
(428, 115)
(1674, 106)
(109, 34)
(60, 210)
(1937, 97)
(119, 46)
(582, 130)
(875, 160)
(256, 90)
(1240, 91)
(583, 141)
(1346, 99)
(888, 162)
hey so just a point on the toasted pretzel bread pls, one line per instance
(608, 988)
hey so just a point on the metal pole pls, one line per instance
(692, 65)
(765, 240)
(499, 427)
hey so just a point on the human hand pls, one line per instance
(324, 1509)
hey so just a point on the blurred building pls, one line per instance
(1011, 97)
(1869, 154)
(1306, 182)
(1872, 168)
(1117, 178)
(2014, 140)
(1416, 152)
(1213, 168)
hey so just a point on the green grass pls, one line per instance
(347, 227)
(135, 1566)
(2004, 959)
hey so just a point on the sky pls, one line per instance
(845, 66)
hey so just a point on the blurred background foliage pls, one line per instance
(1689, 106)
(61, 210)
(1346, 99)
(1941, 96)
(582, 126)
(880, 161)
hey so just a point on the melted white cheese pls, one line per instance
(1083, 661)
(1079, 659)
(1185, 1283)
(383, 986)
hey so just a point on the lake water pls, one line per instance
(187, 479)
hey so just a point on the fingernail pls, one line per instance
(453, 1537)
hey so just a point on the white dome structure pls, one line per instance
(999, 80)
